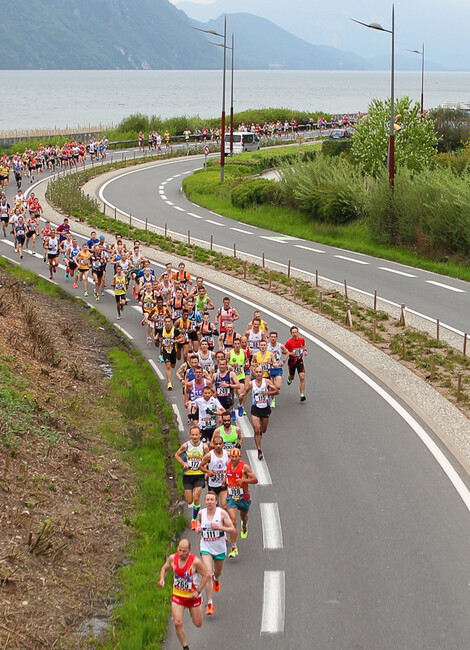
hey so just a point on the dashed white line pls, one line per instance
(169, 202)
(156, 368)
(350, 259)
(245, 232)
(121, 329)
(177, 207)
(259, 467)
(196, 216)
(271, 523)
(407, 275)
(178, 417)
(274, 594)
(245, 428)
(307, 248)
(444, 286)
(276, 241)
(216, 223)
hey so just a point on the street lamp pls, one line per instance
(391, 146)
(231, 91)
(222, 146)
(421, 53)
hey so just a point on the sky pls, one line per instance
(441, 24)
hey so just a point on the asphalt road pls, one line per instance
(371, 540)
(156, 194)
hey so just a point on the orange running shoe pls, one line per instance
(215, 585)
(210, 609)
(193, 524)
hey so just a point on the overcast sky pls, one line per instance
(441, 24)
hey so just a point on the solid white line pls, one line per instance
(307, 248)
(259, 467)
(121, 329)
(177, 207)
(191, 214)
(178, 417)
(245, 428)
(245, 232)
(46, 278)
(18, 264)
(407, 275)
(350, 259)
(156, 368)
(216, 223)
(274, 594)
(444, 286)
(271, 523)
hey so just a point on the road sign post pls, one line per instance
(206, 153)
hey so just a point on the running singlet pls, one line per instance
(219, 467)
(264, 362)
(183, 583)
(207, 412)
(259, 399)
(223, 393)
(193, 456)
(226, 316)
(196, 391)
(296, 348)
(253, 340)
(236, 491)
(276, 351)
(212, 541)
(119, 285)
(230, 439)
(237, 361)
(168, 342)
(53, 246)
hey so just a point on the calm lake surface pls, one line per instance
(68, 98)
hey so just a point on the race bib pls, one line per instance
(193, 463)
(235, 492)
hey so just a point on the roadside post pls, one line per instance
(206, 153)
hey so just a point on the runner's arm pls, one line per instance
(164, 570)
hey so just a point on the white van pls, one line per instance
(242, 141)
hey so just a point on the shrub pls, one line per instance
(331, 147)
(252, 192)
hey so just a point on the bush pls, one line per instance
(332, 147)
(252, 192)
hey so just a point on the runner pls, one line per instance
(84, 263)
(71, 259)
(190, 456)
(119, 283)
(231, 434)
(212, 524)
(214, 464)
(186, 587)
(239, 476)
(98, 262)
(236, 360)
(52, 244)
(147, 301)
(255, 334)
(225, 314)
(208, 408)
(261, 390)
(20, 235)
(277, 350)
(225, 382)
(297, 350)
(170, 337)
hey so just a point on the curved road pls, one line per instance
(155, 193)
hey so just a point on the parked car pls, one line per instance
(339, 134)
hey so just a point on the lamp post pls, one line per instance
(421, 53)
(391, 146)
(231, 90)
(224, 45)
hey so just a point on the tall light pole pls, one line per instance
(224, 45)
(231, 98)
(421, 53)
(391, 146)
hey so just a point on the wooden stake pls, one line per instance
(403, 347)
(189, 237)
(345, 289)
(212, 242)
(437, 329)
(316, 277)
(234, 249)
(375, 301)
(321, 301)
(459, 385)
(374, 331)
(348, 315)
(166, 230)
(465, 344)
(220, 260)
(402, 316)
(433, 361)
(171, 245)
(244, 270)
(194, 252)
(114, 214)
(288, 269)
(263, 260)
(270, 279)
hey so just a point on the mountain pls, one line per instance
(100, 34)
(260, 45)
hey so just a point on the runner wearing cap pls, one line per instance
(239, 476)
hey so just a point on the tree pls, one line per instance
(415, 138)
(452, 127)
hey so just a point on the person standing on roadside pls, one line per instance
(190, 578)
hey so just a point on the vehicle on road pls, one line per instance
(242, 141)
(339, 134)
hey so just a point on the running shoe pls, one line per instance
(34, 252)
(289, 382)
(233, 415)
(244, 532)
(97, 297)
(102, 292)
(240, 411)
(244, 412)
(160, 358)
(50, 277)
(169, 387)
(66, 277)
(119, 317)
(233, 552)
(273, 403)
(149, 340)
(260, 454)
(215, 585)
(302, 398)
(85, 293)
(193, 524)
(54, 268)
(210, 609)
(75, 285)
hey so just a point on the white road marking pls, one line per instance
(245, 232)
(176, 175)
(350, 259)
(242, 223)
(196, 216)
(407, 275)
(178, 417)
(139, 309)
(164, 183)
(8, 242)
(17, 263)
(177, 207)
(121, 329)
(216, 223)
(161, 190)
(444, 286)
(271, 523)
(44, 277)
(110, 291)
(278, 241)
(169, 202)
(156, 369)
(274, 596)
(259, 467)
(307, 248)
(245, 428)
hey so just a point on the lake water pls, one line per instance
(68, 98)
